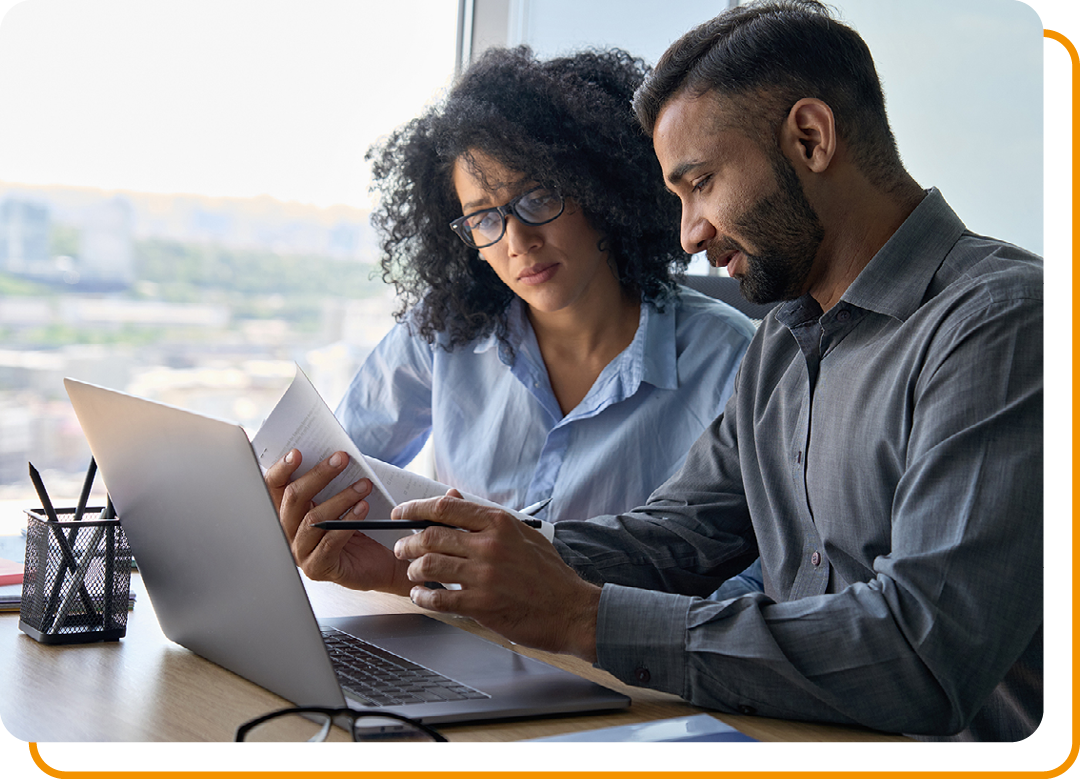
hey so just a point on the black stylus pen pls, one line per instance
(393, 524)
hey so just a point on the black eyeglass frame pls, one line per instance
(464, 233)
(332, 714)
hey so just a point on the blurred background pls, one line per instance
(184, 198)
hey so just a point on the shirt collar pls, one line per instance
(654, 345)
(651, 357)
(516, 328)
(895, 280)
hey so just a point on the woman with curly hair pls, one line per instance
(543, 341)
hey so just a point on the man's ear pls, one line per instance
(808, 135)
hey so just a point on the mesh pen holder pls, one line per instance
(76, 578)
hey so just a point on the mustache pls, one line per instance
(723, 247)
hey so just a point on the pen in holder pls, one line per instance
(76, 578)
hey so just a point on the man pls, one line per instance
(882, 451)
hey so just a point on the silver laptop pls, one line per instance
(205, 534)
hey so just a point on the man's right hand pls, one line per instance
(346, 557)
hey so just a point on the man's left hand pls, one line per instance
(512, 580)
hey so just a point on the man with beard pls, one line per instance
(882, 451)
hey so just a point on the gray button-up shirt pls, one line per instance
(885, 460)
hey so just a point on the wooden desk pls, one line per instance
(146, 688)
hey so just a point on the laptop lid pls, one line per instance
(205, 535)
(217, 567)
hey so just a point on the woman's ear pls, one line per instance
(808, 135)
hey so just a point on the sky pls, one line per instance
(283, 97)
(221, 98)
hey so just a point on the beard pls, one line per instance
(787, 232)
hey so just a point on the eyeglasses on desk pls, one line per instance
(314, 723)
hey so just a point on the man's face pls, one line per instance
(745, 207)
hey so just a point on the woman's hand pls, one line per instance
(346, 557)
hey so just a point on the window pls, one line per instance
(962, 80)
(184, 204)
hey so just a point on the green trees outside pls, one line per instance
(252, 284)
(205, 267)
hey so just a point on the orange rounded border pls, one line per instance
(1071, 49)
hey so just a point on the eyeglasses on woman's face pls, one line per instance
(483, 228)
(314, 723)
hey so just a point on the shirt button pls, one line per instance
(843, 315)
(749, 710)
(642, 675)
(815, 558)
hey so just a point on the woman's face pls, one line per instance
(551, 266)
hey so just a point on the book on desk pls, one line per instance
(11, 572)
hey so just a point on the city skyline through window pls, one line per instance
(184, 200)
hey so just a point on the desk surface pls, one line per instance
(146, 688)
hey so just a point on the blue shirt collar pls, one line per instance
(650, 358)
(654, 345)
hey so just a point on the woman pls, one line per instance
(542, 341)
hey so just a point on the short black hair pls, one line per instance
(768, 55)
(565, 122)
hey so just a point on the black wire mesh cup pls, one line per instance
(76, 578)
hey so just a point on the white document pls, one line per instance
(406, 485)
(302, 420)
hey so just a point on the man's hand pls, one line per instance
(512, 580)
(342, 556)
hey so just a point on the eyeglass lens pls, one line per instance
(536, 207)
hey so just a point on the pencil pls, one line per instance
(78, 581)
(65, 551)
(88, 482)
(394, 524)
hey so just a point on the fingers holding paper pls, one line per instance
(512, 579)
(345, 557)
(295, 497)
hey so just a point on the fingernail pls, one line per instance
(362, 485)
(289, 456)
(356, 508)
(335, 461)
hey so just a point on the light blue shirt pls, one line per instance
(499, 431)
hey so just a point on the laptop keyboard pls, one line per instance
(380, 678)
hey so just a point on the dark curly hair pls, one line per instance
(565, 122)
